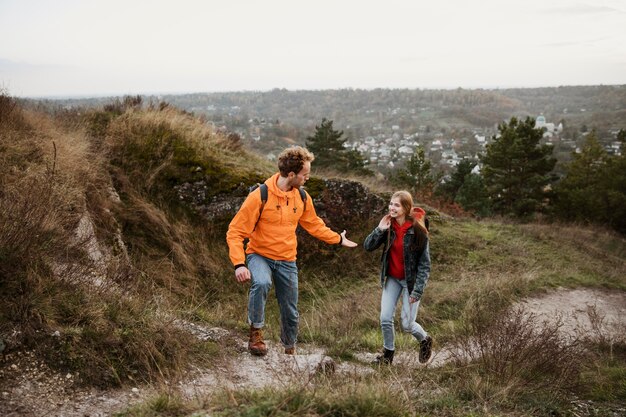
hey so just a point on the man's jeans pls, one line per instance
(394, 289)
(285, 278)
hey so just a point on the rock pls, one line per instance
(339, 202)
(201, 332)
(326, 366)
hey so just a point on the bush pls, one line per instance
(506, 357)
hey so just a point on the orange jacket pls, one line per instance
(275, 233)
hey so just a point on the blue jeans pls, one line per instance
(393, 290)
(285, 278)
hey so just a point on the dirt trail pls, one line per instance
(29, 388)
(582, 310)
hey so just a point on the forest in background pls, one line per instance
(294, 113)
(436, 142)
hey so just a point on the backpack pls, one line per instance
(263, 188)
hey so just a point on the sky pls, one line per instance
(64, 48)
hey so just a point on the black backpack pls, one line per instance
(263, 188)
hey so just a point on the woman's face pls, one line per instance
(395, 208)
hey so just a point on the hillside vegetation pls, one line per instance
(112, 234)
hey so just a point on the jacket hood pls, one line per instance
(272, 187)
(419, 214)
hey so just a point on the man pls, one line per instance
(272, 246)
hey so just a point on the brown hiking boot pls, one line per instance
(290, 351)
(256, 345)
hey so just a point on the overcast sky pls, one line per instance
(115, 47)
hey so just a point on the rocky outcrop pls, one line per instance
(341, 203)
(348, 204)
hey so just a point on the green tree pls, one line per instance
(473, 196)
(327, 145)
(594, 188)
(450, 189)
(417, 174)
(356, 163)
(516, 168)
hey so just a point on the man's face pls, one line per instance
(298, 180)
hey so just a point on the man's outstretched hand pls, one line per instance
(347, 242)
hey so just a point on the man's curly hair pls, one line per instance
(292, 159)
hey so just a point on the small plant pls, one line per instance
(504, 357)
(330, 399)
(162, 405)
(604, 379)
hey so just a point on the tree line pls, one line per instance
(514, 177)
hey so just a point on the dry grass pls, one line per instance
(160, 139)
(511, 355)
(109, 324)
(603, 250)
(343, 320)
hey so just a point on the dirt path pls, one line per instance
(29, 388)
(583, 310)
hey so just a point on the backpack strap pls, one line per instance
(303, 197)
(263, 190)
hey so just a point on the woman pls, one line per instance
(404, 271)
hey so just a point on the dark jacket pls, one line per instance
(416, 263)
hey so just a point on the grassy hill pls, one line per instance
(112, 231)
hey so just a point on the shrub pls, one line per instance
(505, 357)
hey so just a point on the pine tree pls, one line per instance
(594, 188)
(327, 145)
(450, 189)
(417, 174)
(472, 195)
(356, 163)
(516, 168)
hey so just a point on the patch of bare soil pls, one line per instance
(29, 388)
(594, 312)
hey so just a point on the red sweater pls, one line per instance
(396, 251)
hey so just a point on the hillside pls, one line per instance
(385, 125)
(112, 224)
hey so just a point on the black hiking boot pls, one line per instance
(426, 351)
(386, 358)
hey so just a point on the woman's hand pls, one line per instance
(385, 222)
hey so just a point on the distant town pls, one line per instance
(386, 126)
(386, 147)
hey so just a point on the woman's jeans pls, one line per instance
(393, 290)
(285, 278)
